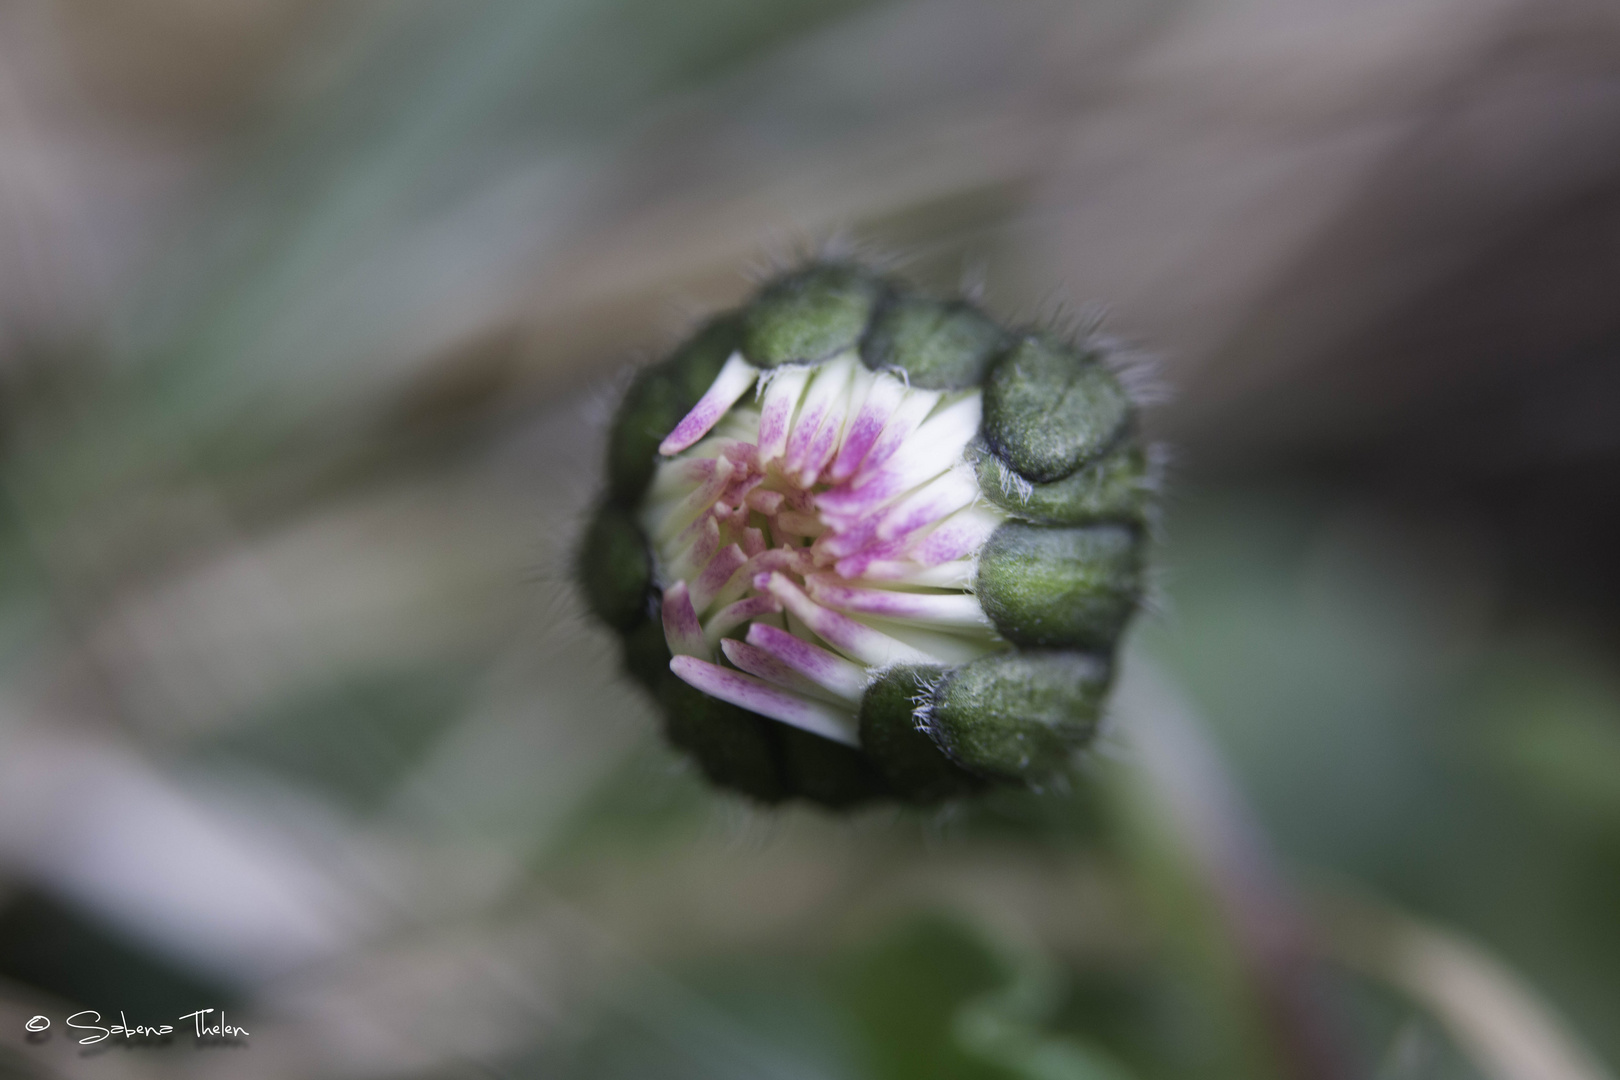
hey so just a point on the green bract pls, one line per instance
(1050, 408)
(1019, 715)
(939, 344)
(809, 315)
(1063, 587)
(860, 543)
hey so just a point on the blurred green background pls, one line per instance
(311, 315)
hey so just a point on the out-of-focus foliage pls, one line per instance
(310, 318)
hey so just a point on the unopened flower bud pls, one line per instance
(836, 520)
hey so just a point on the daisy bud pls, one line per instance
(865, 544)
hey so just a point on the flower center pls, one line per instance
(835, 518)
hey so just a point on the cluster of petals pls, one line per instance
(832, 522)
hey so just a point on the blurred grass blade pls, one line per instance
(1499, 1022)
